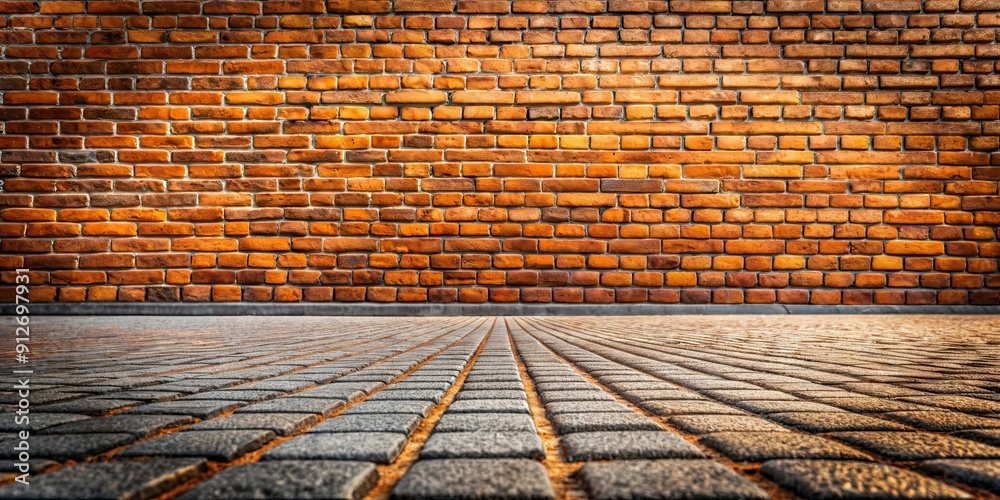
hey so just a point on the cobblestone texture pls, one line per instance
(900, 407)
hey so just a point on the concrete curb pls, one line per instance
(368, 309)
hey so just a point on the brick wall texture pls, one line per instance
(594, 151)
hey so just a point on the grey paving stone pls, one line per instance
(761, 446)
(576, 385)
(291, 404)
(666, 480)
(473, 479)
(213, 445)
(664, 408)
(943, 421)
(199, 409)
(704, 424)
(231, 395)
(88, 406)
(489, 394)
(289, 479)
(273, 385)
(492, 386)
(739, 396)
(767, 407)
(282, 424)
(611, 445)
(378, 447)
(409, 394)
(847, 480)
(586, 407)
(400, 423)
(102, 480)
(144, 396)
(483, 445)
(836, 421)
(422, 408)
(584, 395)
(67, 446)
(567, 423)
(39, 421)
(136, 425)
(917, 445)
(489, 406)
(499, 422)
(982, 473)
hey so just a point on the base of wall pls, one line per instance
(341, 309)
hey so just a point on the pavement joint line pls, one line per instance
(254, 456)
(752, 473)
(561, 473)
(390, 474)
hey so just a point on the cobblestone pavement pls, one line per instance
(678, 407)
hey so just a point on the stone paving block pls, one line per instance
(739, 396)
(493, 386)
(965, 404)
(666, 480)
(136, 425)
(873, 405)
(289, 479)
(567, 423)
(761, 446)
(982, 473)
(39, 421)
(943, 421)
(489, 406)
(499, 422)
(421, 408)
(586, 395)
(917, 446)
(767, 407)
(473, 479)
(559, 407)
(378, 447)
(847, 480)
(612, 445)
(67, 446)
(636, 396)
(989, 436)
(483, 444)
(837, 421)
(704, 424)
(87, 406)
(143, 396)
(214, 445)
(199, 409)
(664, 408)
(231, 395)
(282, 424)
(466, 394)
(400, 423)
(102, 480)
(291, 404)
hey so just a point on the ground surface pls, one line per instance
(564, 407)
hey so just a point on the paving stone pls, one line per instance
(101, 480)
(917, 446)
(469, 422)
(666, 480)
(982, 473)
(739, 396)
(472, 479)
(836, 421)
(87, 406)
(664, 408)
(846, 480)
(465, 394)
(587, 395)
(990, 436)
(289, 479)
(585, 407)
(490, 406)
(766, 407)
(761, 446)
(378, 447)
(958, 403)
(213, 445)
(483, 444)
(231, 395)
(422, 408)
(199, 409)
(137, 425)
(493, 386)
(282, 424)
(290, 404)
(611, 445)
(400, 423)
(67, 446)
(943, 421)
(38, 422)
(567, 423)
(872, 405)
(704, 424)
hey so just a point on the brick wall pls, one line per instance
(790, 151)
